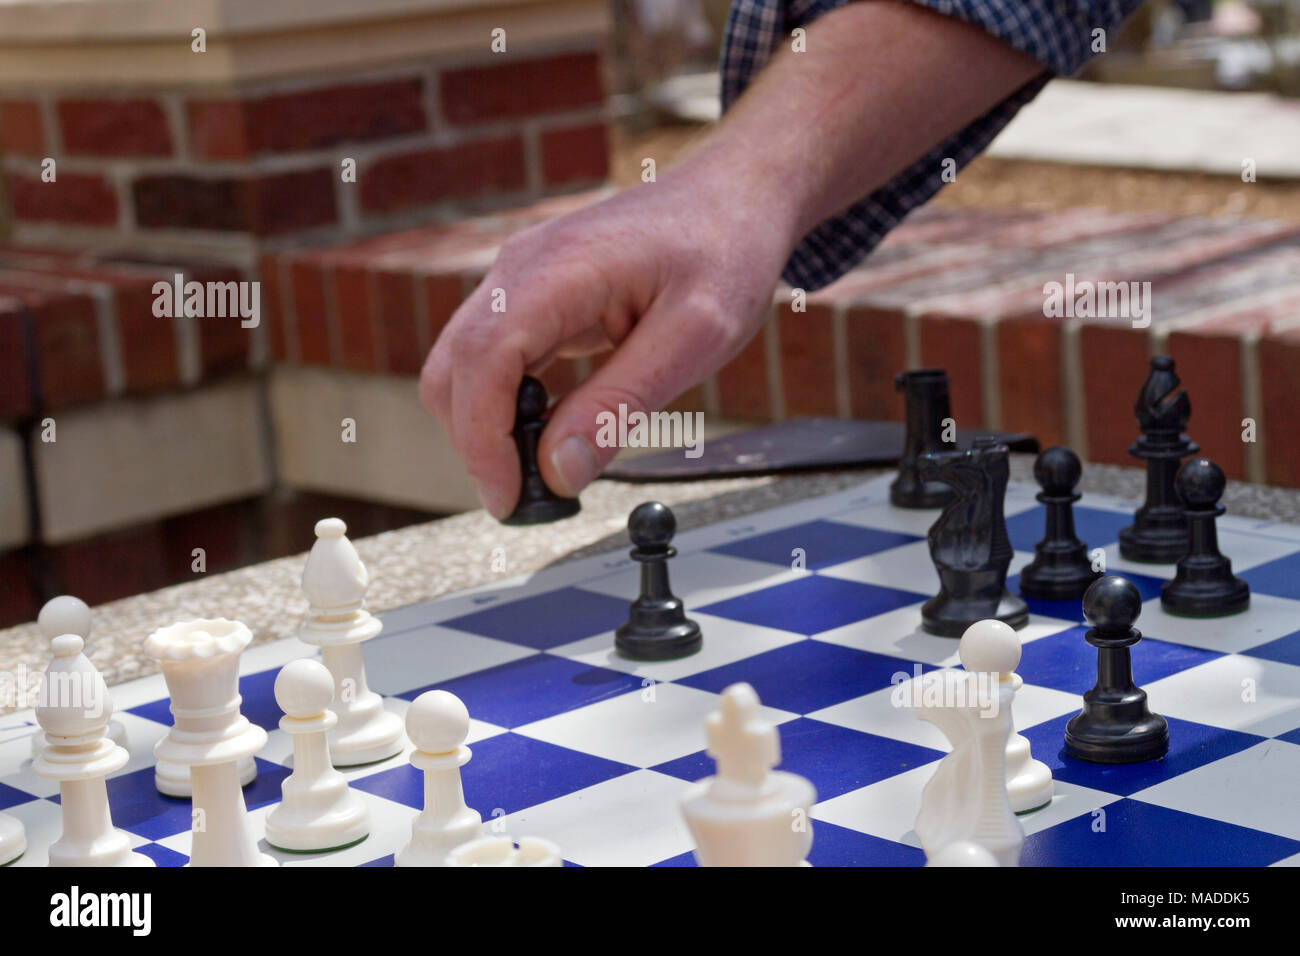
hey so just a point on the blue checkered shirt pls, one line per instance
(1057, 33)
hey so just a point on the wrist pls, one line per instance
(743, 185)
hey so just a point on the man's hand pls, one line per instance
(677, 275)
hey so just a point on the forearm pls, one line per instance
(878, 85)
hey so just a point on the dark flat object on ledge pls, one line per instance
(801, 444)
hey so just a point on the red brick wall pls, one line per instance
(266, 162)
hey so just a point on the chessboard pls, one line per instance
(817, 606)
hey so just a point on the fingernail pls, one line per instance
(574, 460)
(493, 503)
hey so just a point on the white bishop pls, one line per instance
(61, 615)
(73, 711)
(335, 582)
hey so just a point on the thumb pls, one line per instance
(641, 376)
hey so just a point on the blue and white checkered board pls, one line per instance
(574, 744)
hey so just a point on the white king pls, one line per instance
(749, 814)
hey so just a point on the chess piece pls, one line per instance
(537, 503)
(926, 393)
(200, 663)
(438, 724)
(1203, 585)
(992, 647)
(73, 710)
(966, 801)
(502, 851)
(657, 627)
(61, 615)
(1158, 533)
(173, 780)
(969, 543)
(1115, 725)
(1060, 570)
(335, 582)
(962, 853)
(748, 814)
(13, 838)
(317, 810)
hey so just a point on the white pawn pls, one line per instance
(438, 725)
(73, 711)
(317, 810)
(335, 582)
(996, 650)
(502, 851)
(66, 614)
(748, 814)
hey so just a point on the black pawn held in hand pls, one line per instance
(925, 391)
(1061, 570)
(1204, 585)
(1115, 725)
(1158, 533)
(657, 628)
(537, 503)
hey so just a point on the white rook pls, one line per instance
(200, 662)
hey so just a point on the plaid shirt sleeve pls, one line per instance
(1057, 33)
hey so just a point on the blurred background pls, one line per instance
(361, 163)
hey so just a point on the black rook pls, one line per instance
(926, 393)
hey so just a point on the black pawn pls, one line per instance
(1060, 570)
(1204, 585)
(537, 503)
(657, 628)
(1158, 533)
(926, 393)
(1115, 725)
